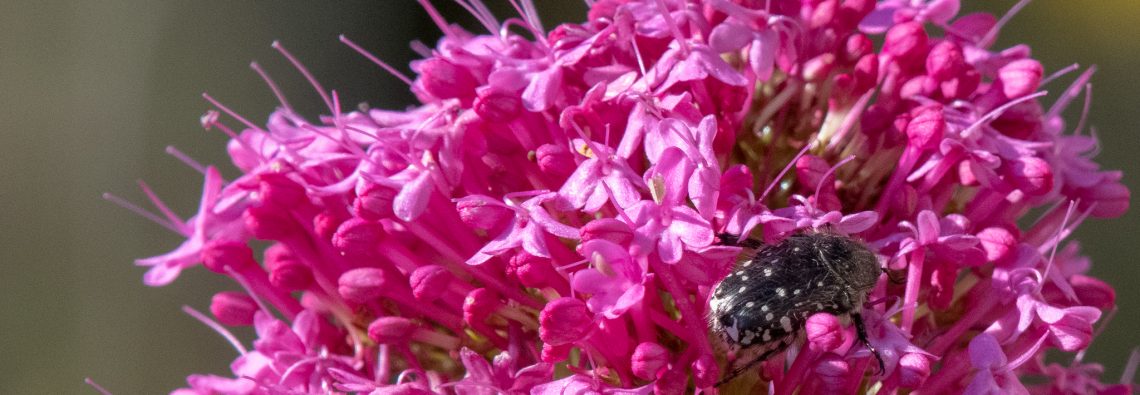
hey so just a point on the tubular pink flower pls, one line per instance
(563, 321)
(648, 359)
(554, 213)
(233, 308)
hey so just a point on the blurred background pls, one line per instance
(91, 93)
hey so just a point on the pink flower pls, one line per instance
(546, 219)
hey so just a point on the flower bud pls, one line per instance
(945, 60)
(480, 214)
(358, 237)
(326, 223)
(267, 222)
(362, 285)
(916, 87)
(913, 370)
(610, 229)
(555, 354)
(373, 201)
(285, 271)
(824, 333)
(564, 321)
(926, 129)
(532, 271)
(216, 255)
(819, 67)
(278, 190)
(555, 160)
(391, 330)
(866, 73)
(856, 47)
(429, 282)
(445, 80)
(705, 371)
(498, 107)
(648, 359)
(906, 41)
(233, 308)
(479, 304)
(998, 242)
(823, 14)
(1032, 175)
(1020, 77)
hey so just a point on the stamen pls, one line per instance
(368, 55)
(436, 17)
(248, 289)
(355, 150)
(143, 213)
(1004, 19)
(212, 122)
(530, 14)
(504, 31)
(186, 159)
(295, 366)
(160, 205)
(338, 121)
(272, 86)
(1069, 94)
(479, 10)
(673, 27)
(776, 181)
(1025, 356)
(217, 328)
(830, 171)
(1084, 110)
(1068, 69)
(96, 386)
(993, 114)
(304, 71)
(229, 112)
(1129, 373)
(1056, 242)
(637, 54)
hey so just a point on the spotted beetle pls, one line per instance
(762, 306)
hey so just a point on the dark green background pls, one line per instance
(91, 93)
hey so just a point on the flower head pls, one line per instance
(545, 220)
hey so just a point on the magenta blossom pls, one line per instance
(552, 215)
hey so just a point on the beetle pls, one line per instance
(762, 306)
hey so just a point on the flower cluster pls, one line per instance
(546, 220)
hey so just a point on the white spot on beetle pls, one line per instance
(786, 323)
